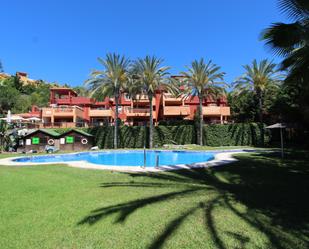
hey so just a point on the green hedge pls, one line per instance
(248, 134)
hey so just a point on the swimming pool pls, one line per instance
(126, 158)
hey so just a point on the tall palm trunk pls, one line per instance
(200, 135)
(116, 122)
(260, 96)
(260, 108)
(150, 122)
(1, 143)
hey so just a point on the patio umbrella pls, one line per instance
(34, 119)
(16, 118)
(8, 117)
(12, 118)
(281, 127)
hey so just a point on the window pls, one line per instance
(127, 96)
(69, 139)
(35, 140)
(78, 139)
(62, 140)
(43, 140)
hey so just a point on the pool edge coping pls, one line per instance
(220, 158)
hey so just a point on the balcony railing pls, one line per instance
(176, 110)
(143, 99)
(67, 109)
(138, 112)
(63, 124)
(170, 98)
(100, 112)
(71, 124)
(62, 111)
(62, 101)
(216, 111)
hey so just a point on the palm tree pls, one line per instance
(3, 130)
(202, 79)
(291, 40)
(150, 75)
(81, 91)
(258, 78)
(109, 82)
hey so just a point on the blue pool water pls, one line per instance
(126, 158)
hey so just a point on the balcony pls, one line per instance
(64, 125)
(138, 112)
(176, 110)
(100, 113)
(63, 101)
(143, 99)
(62, 111)
(171, 99)
(216, 111)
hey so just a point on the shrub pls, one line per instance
(245, 134)
(176, 122)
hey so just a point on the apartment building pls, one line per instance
(67, 109)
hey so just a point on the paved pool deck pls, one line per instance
(220, 158)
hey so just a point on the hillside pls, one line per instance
(18, 93)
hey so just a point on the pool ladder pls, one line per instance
(157, 160)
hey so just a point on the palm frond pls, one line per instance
(283, 38)
(149, 73)
(295, 9)
(109, 81)
(258, 77)
(201, 76)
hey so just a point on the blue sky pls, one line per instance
(60, 40)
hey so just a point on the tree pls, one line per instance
(8, 97)
(3, 137)
(109, 82)
(243, 107)
(284, 106)
(18, 84)
(22, 104)
(259, 78)
(202, 79)
(20, 97)
(290, 41)
(40, 96)
(150, 75)
(81, 91)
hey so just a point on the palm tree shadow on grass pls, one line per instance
(275, 207)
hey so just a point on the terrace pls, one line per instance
(169, 98)
(62, 111)
(137, 112)
(176, 110)
(101, 112)
(216, 111)
(142, 98)
(62, 116)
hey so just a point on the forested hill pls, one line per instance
(18, 95)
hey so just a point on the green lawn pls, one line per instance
(258, 202)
